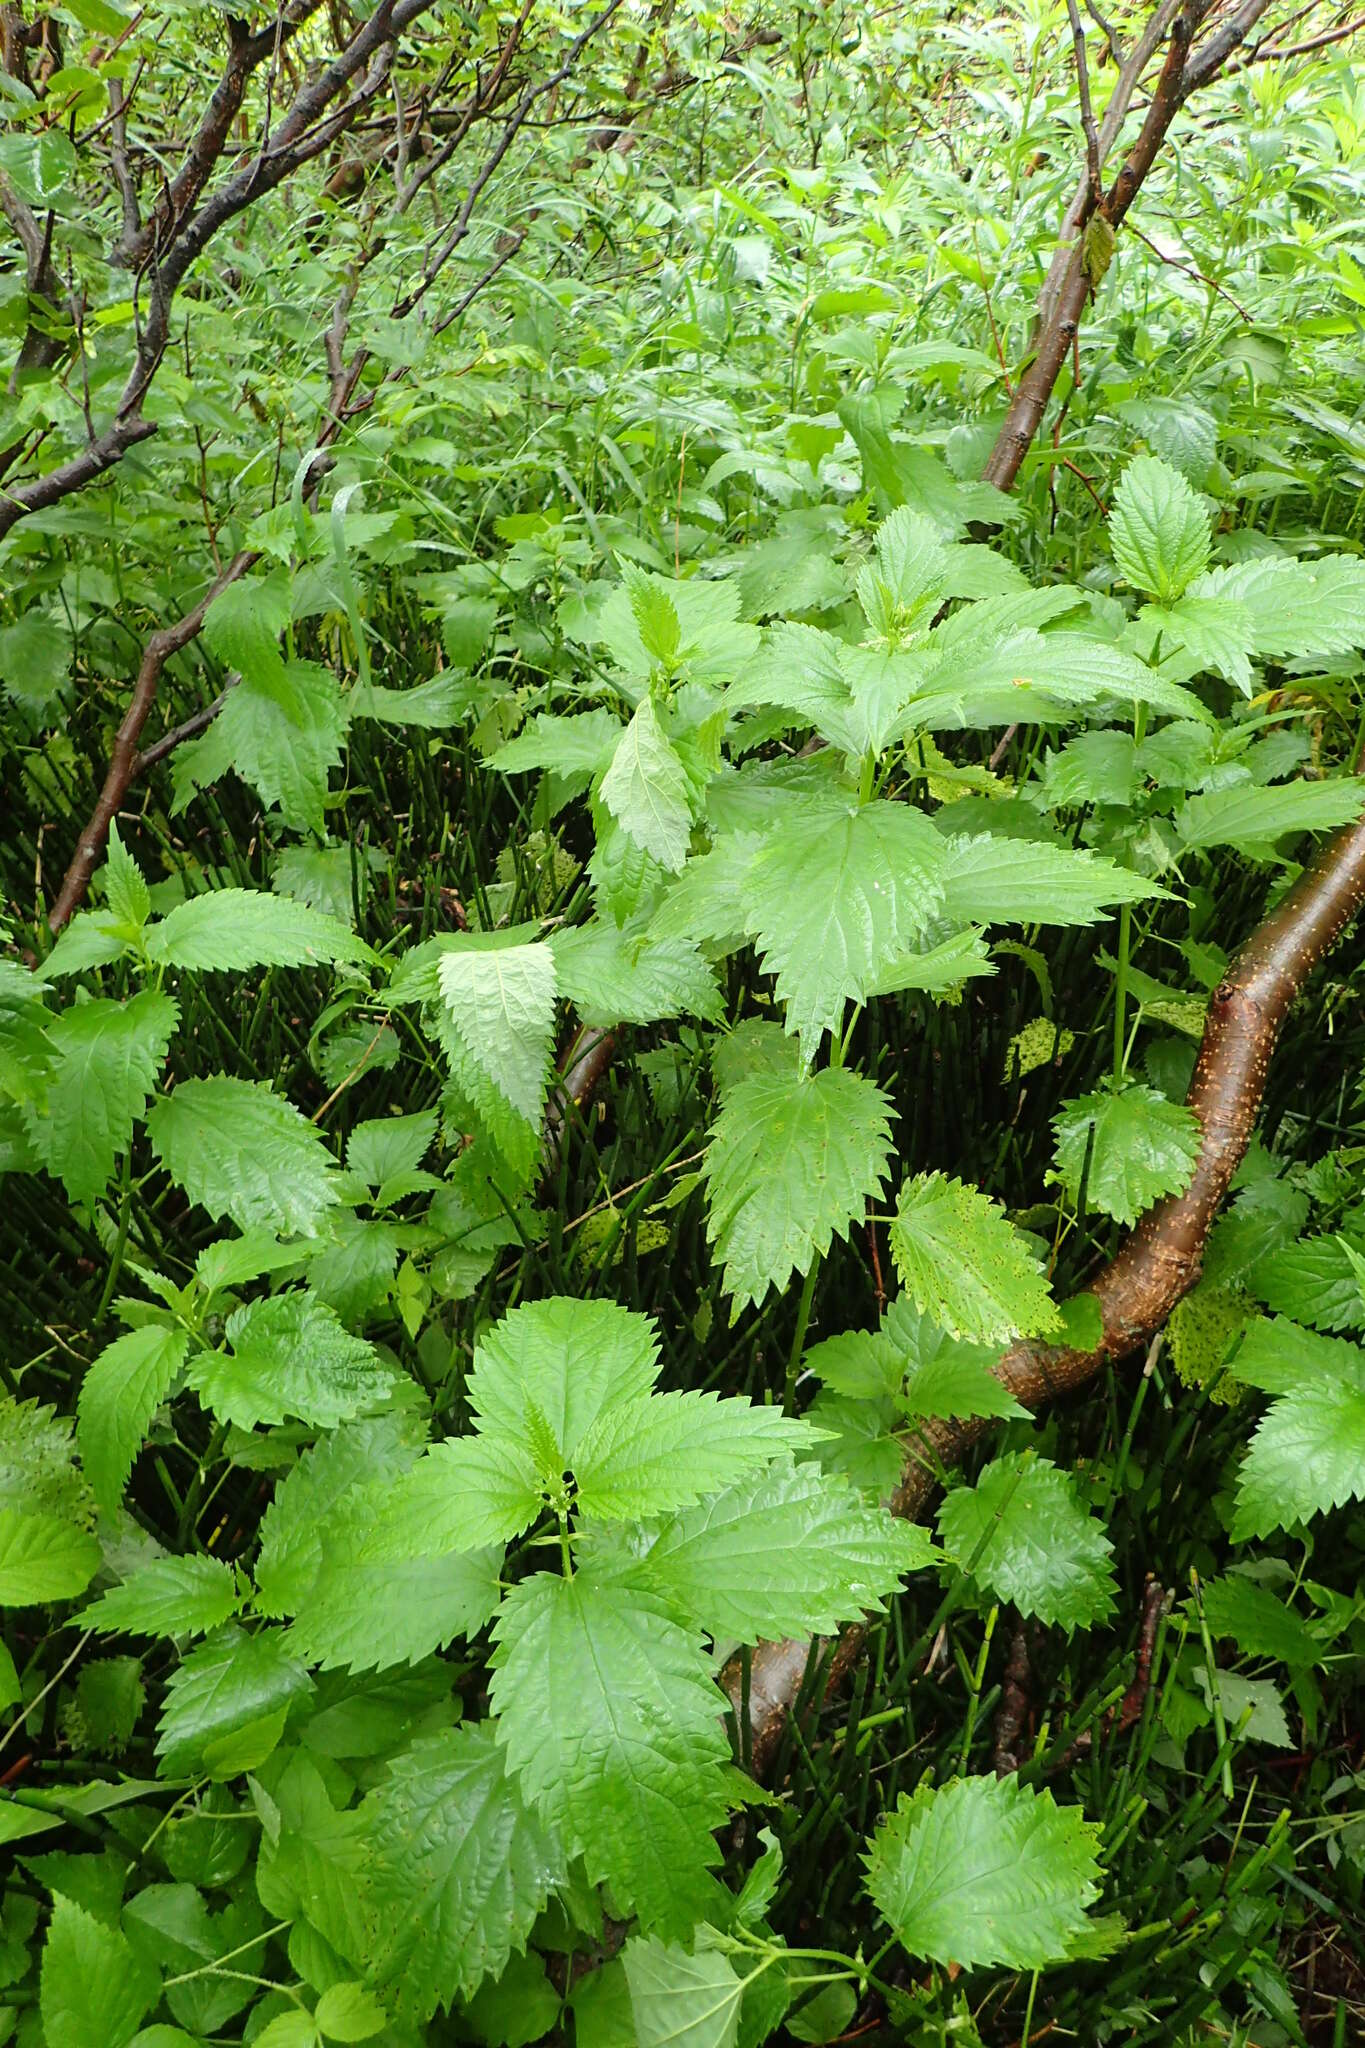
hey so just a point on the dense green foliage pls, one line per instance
(401, 1425)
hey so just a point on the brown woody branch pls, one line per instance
(1188, 65)
(1160, 1262)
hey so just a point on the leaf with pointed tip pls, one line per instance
(1308, 1453)
(239, 928)
(990, 880)
(1253, 817)
(790, 1552)
(226, 1684)
(791, 1162)
(94, 1988)
(834, 899)
(455, 1870)
(1130, 1147)
(501, 1002)
(169, 1596)
(964, 1263)
(1158, 528)
(1314, 609)
(614, 977)
(647, 791)
(633, 1780)
(665, 1451)
(119, 1395)
(108, 1055)
(240, 1150)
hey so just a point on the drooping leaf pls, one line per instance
(964, 1264)
(631, 1781)
(985, 1870)
(791, 1162)
(1130, 1147)
(1253, 817)
(119, 1395)
(1033, 1540)
(240, 1150)
(107, 1058)
(456, 1870)
(1010, 881)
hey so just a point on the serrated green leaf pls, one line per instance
(963, 1263)
(833, 901)
(94, 1989)
(43, 1558)
(241, 1151)
(1308, 1453)
(289, 1356)
(613, 977)
(240, 928)
(788, 1553)
(1158, 528)
(632, 1781)
(1042, 1548)
(1254, 817)
(1011, 881)
(1258, 1621)
(1129, 1147)
(375, 1451)
(389, 1146)
(501, 1002)
(573, 1358)
(456, 1871)
(1313, 1281)
(651, 1456)
(791, 1162)
(679, 2000)
(107, 1058)
(226, 1685)
(169, 1596)
(577, 745)
(119, 1395)
(647, 791)
(985, 1870)
(125, 887)
(1312, 609)
(941, 1375)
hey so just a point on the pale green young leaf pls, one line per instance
(501, 1002)
(390, 1146)
(834, 899)
(679, 2000)
(791, 1162)
(580, 744)
(1039, 1545)
(119, 1395)
(1030, 674)
(573, 1359)
(240, 928)
(941, 1375)
(289, 1355)
(965, 1265)
(1130, 1147)
(94, 1989)
(985, 1870)
(1314, 608)
(43, 1558)
(169, 1596)
(633, 1780)
(937, 969)
(789, 1552)
(240, 1150)
(125, 887)
(348, 2012)
(455, 1870)
(1215, 634)
(665, 1451)
(224, 1686)
(1253, 817)
(1158, 528)
(647, 791)
(990, 880)
(108, 1055)
(616, 977)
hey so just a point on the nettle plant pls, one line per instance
(367, 1825)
